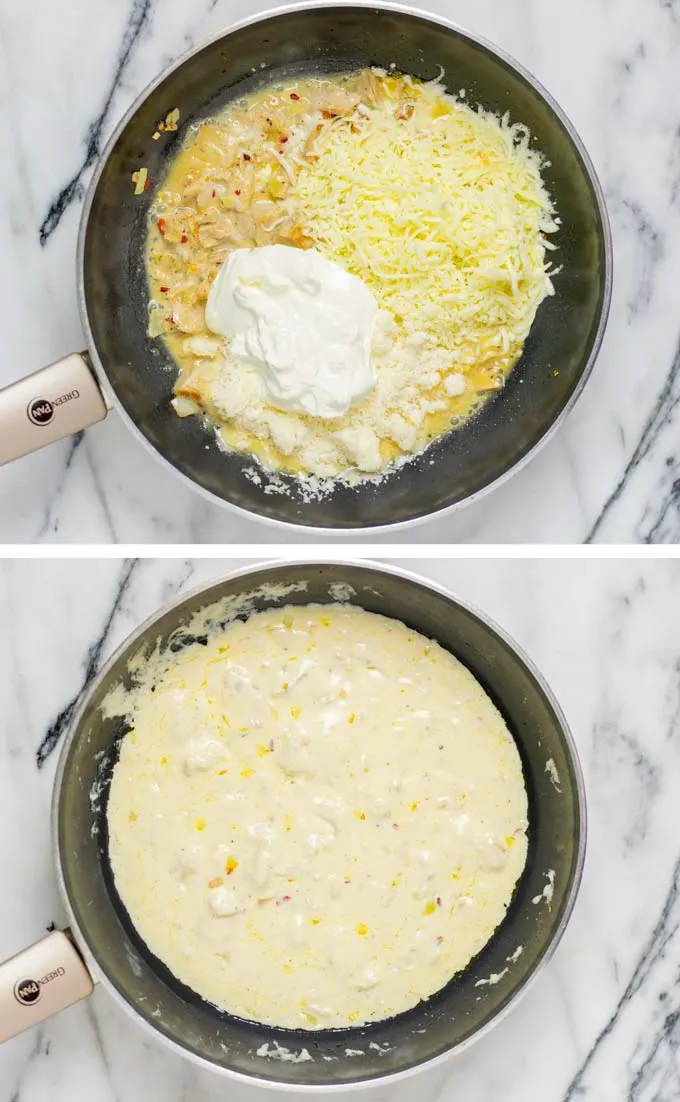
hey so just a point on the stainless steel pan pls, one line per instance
(123, 368)
(103, 946)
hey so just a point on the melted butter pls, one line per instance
(318, 818)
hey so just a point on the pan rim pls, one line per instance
(98, 972)
(601, 210)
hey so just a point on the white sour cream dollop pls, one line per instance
(302, 321)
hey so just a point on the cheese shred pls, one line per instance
(442, 211)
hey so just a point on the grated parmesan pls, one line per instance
(406, 373)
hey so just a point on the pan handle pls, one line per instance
(40, 981)
(52, 403)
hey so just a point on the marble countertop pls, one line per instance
(68, 71)
(601, 1024)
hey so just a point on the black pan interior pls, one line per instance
(341, 38)
(466, 1004)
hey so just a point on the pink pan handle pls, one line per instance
(52, 403)
(39, 982)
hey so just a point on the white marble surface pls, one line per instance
(602, 1022)
(68, 71)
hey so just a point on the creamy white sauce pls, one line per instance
(318, 818)
(300, 321)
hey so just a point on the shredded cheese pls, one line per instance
(441, 213)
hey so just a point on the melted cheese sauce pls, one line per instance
(318, 818)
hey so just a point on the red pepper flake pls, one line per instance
(283, 141)
(184, 239)
(283, 899)
(146, 183)
(164, 290)
(438, 901)
(294, 95)
(237, 191)
(213, 193)
(246, 156)
(395, 826)
(161, 226)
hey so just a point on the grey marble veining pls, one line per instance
(67, 72)
(602, 1022)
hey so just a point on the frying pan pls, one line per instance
(124, 368)
(102, 944)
